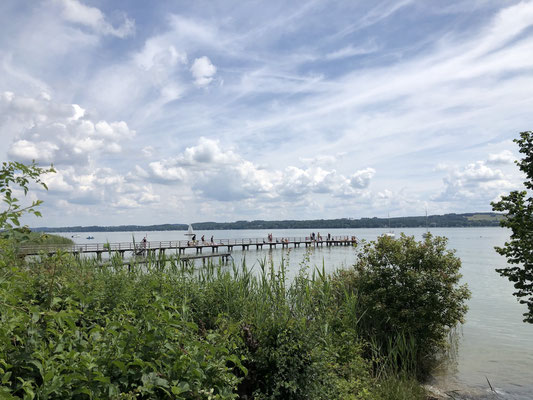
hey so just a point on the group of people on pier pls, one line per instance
(194, 242)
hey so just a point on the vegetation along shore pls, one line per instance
(74, 328)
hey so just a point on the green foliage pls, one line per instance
(518, 209)
(74, 329)
(24, 236)
(15, 175)
(408, 299)
(400, 389)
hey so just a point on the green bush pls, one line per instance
(408, 298)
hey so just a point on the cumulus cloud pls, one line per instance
(158, 62)
(474, 181)
(59, 133)
(98, 186)
(207, 151)
(504, 157)
(221, 174)
(203, 71)
(76, 12)
(166, 170)
(27, 151)
(361, 179)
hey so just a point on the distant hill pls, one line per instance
(446, 220)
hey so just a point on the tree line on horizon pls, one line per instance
(446, 221)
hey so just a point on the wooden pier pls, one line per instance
(222, 257)
(182, 247)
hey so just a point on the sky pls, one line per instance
(190, 111)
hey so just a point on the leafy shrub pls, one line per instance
(408, 298)
(60, 339)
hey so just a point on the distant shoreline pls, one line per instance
(487, 219)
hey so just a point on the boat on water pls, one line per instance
(426, 234)
(190, 232)
(390, 233)
(89, 237)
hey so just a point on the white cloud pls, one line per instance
(79, 13)
(220, 174)
(207, 151)
(148, 151)
(503, 157)
(361, 179)
(284, 115)
(59, 133)
(27, 151)
(142, 82)
(99, 187)
(323, 159)
(474, 182)
(164, 170)
(158, 54)
(351, 51)
(203, 71)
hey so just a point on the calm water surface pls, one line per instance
(494, 343)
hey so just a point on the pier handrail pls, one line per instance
(173, 244)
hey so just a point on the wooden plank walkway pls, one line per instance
(182, 246)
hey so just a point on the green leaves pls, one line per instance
(410, 288)
(18, 176)
(76, 329)
(518, 209)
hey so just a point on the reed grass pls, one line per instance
(166, 329)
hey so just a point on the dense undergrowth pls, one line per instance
(71, 329)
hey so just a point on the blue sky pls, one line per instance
(167, 112)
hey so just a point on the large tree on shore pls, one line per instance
(518, 209)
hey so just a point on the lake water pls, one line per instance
(494, 343)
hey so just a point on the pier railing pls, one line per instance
(175, 244)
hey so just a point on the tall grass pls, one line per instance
(79, 329)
